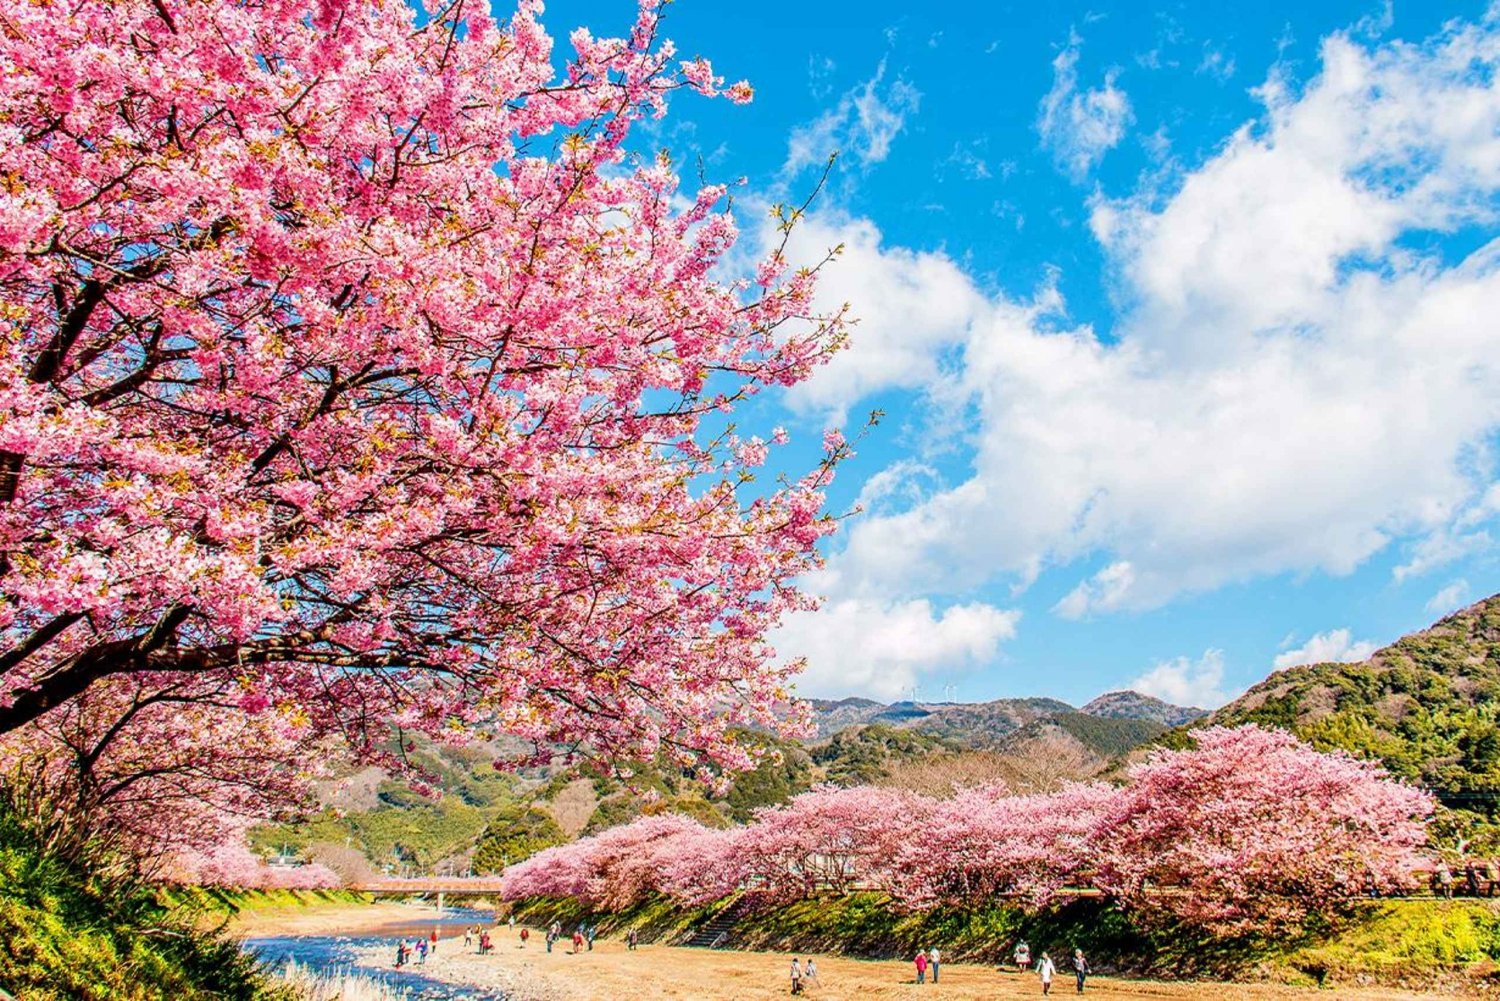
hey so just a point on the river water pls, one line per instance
(338, 953)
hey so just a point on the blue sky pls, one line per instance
(1183, 316)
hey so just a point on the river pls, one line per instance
(338, 953)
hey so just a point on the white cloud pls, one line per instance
(1216, 63)
(1081, 126)
(1293, 387)
(861, 126)
(1452, 597)
(1186, 682)
(881, 649)
(1440, 549)
(968, 159)
(912, 306)
(1101, 592)
(1333, 647)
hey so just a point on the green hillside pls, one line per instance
(1107, 736)
(1427, 706)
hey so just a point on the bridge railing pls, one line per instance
(430, 884)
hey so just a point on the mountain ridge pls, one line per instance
(989, 724)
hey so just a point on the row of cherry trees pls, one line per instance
(229, 862)
(357, 380)
(1250, 830)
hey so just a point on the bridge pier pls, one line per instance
(440, 901)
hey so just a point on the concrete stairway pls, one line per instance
(715, 932)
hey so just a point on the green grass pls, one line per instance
(208, 900)
(68, 934)
(1407, 943)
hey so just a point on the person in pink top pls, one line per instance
(921, 966)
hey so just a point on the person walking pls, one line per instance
(400, 953)
(512, 922)
(1080, 967)
(796, 976)
(550, 939)
(921, 962)
(589, 934)
(1022, 956)
(525, 934)
(577, 941)
(933, 956)
(1046, 969)
(485, 945)
(421, 952)
(631, 937)
(468, 935)
(434, 941)
(811, 973)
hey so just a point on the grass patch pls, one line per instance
(69, 935)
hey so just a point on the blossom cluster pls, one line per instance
(353, 359)
(233, 865)
(1248, 831)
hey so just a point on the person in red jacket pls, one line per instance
(921, 966)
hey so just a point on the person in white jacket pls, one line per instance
(1045, 969)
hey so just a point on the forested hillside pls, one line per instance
(1428, 706)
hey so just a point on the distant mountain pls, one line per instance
(964, 724)
(979, 724)
(1428, 706)
(1134, 705)
(832, 715)
(1106, 726)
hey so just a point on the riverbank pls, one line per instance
(372, 917)
(71, 932)
(611, 972)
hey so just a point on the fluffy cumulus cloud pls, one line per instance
(1334, 646)
(1080, 126)
(1293, 386)
(883, 649)
(914, 307)
(861, 125)
(1187, 682)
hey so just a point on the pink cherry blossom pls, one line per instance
(1249, 831)
(1254, 830)
(352, 359)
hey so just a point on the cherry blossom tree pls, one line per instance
(829, 839)
(1255, 831)
(613, 869)
(354, 366)
(701, 866)
(985, 843)
(151, 764)
(230, 863)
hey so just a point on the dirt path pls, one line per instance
(612, 973)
